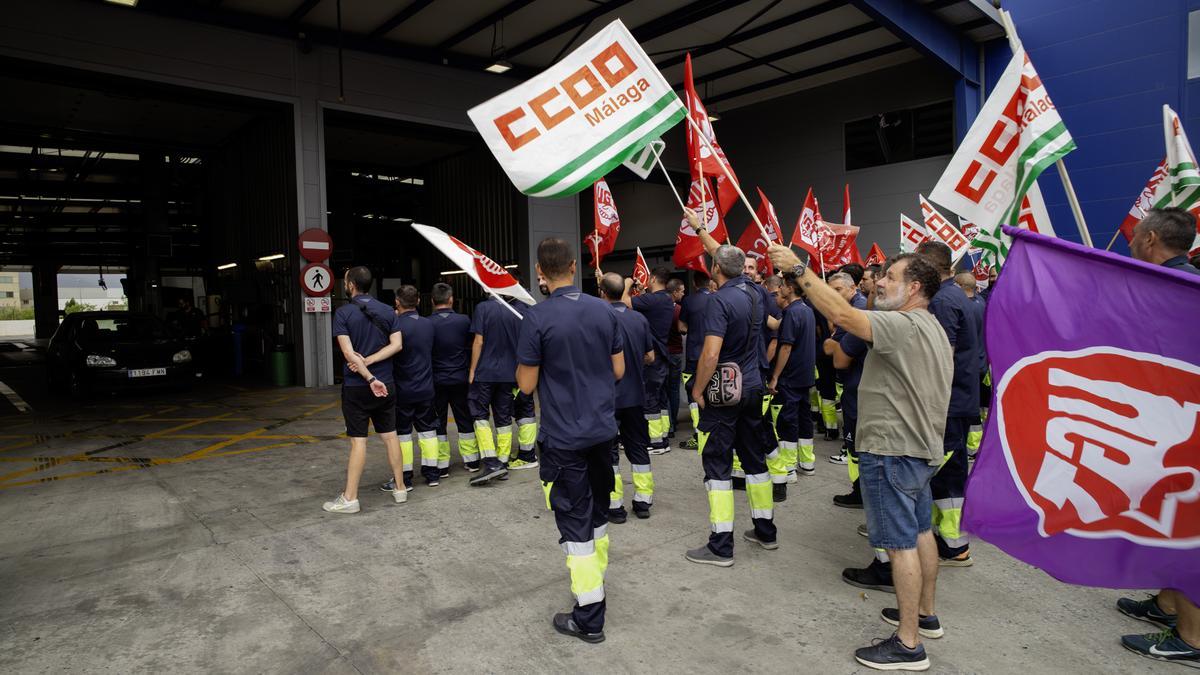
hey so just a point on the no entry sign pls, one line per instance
(316, 279)
(315, 245)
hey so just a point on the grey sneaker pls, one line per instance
(862, 529)
(705, 556)
(928, 626)
(752, 537)
(341, 505)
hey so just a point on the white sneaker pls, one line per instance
(341, 505)
(401, 496)
(792, 477)
(842, 458)
(807, 468)
(659, 451)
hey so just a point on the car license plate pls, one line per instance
(148, 372)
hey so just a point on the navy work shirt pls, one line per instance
(1180, 263)
(636, 341)
(413, 364)
(729, 317)
(692, 310)
(499, 328)
(451, 347)
(366, 337)
(798, 329)
(858, 301)
(659, 310)
(572, 337)
(979, 306)
(856, 348)
(963, 326)
(769, 307)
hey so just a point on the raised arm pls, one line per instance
(827, 301)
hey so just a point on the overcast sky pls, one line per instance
(75, 280)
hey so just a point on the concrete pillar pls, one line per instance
(549, 218)
(45, 300)
(316, 330)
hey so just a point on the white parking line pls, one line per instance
(13, 398)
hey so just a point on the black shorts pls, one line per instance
(360, 406)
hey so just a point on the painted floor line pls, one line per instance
(14, 398)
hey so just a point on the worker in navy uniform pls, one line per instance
(962, 325)
(495, 324)
(631, 426)
(524, 413)
(791, 380)
(732, 328)
(659, 309)
(413, 370)
(571, 351)
(451, 365)
(691, 324)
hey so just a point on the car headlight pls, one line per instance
(97, 361)
(182, 356)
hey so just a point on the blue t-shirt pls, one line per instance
(855, 348)
(659, 310)
(691, 311)
(572, 337)
(963, 326)
(797, 329)
(413, 364)
(636, 341)
(451, 347)
(365, 336)
(499, 328)
(729, 317)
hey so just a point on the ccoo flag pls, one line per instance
(487, 272)
(912, 234)
(1017, 134)
(938, 228)
(1176, 181)
(1089, 467)
(561, 130)
(642, 162)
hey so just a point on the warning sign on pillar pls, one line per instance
(316, 279)
(318, 305)
(315, 245)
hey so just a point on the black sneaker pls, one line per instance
(1164, 646)
(641, 513)
(444, 473)
(779, 492)
(487, 475)
(1147, 610)
(739, 483)
(432, 482)
(752, 537)
(892, 654)
(472, 467)
(849, 501)
(564, 624)
(617, 516)
(876, 576)
(390, 486)
(927, 626)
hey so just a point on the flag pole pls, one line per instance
(502, 301)
(658, 161)
(1113, 240)
(1072, 199)
(596, 246)
(728, 174)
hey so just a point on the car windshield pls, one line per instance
(131, 328)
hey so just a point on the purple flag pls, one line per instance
(1090, 465)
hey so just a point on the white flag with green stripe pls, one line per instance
(1017, 134)
(1181, 185)
(642, 162)
(561, 130)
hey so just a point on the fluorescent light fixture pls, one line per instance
(452, 272)
(511, 267)
(402, 220)
(273, 256)
(499, 67)
(125, 3)
(227, 266)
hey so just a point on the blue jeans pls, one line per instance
(674, 373)
(896, 498)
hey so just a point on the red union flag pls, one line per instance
(1089, 467)
(876, 256)
(752, 241)
(689, 250)
(841, 247)
(641, 271)
(698, 151)
(807, 234)
(603, 238)
(485, 271)
(940, 229)
(912, 234)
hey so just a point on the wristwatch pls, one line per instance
(373, 378)
(798, 269)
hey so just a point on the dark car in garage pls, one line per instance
(111, 351)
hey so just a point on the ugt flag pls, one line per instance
(603, 238)
(752, 241)
(807, 234)
(841, 247)
(875, 256)
(641, 271)
(689, 250)
(485, 271)
(1017, 134)
(570, 125)
(1090, 465)
(699, 156)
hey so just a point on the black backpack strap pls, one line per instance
(387, 334)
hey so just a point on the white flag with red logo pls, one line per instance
(940, 229)
(698, 151)
(752, 241)
(912, 234)
(807, 234)
(846, 206)
(689, 250)
(641, 271)
(603, 238)
(487, 272)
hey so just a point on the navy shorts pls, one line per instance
(896, 498)
(361, 406)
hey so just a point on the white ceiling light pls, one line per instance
(125, 3)
(499, 67)
(227, 266)
(273, 256)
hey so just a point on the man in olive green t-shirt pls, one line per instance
(903, 398)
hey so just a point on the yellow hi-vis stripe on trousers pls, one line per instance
(947, 520)
(654, 423)
(787, 454)
(617, 496)
(829, 414)
(487, 443)
(643, 484)
(805, 452)
(427, 440)
(758, 492)
(600, 534)
(468, 449)
(720, 504)
(443, 452)
(504, 442)
(852, 467)
(526, 433)
(776, 467)
(406, 451)
(587, 575)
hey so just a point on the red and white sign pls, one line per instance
(316, 279)
(940, 229)
(487, 272)
(315, 245)
(1101, 443)
(322, 305)
(912, 234)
